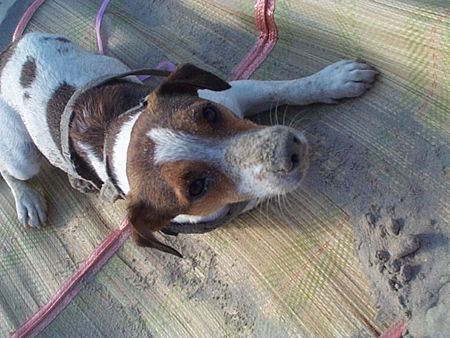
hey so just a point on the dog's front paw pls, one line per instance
(344, 79)
(31, 208)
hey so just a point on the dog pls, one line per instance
(186, 156)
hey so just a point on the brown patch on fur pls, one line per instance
(5, 56)
(194, 121)
(220, 190)
(151, 203)
(175, 105)
(96, 109)
(145, 221)
(188, 78)
(55, 108)
(160, 193)
(28, 73)
(99, 112)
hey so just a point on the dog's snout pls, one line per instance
(288, 155)
(280, 151)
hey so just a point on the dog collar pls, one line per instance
(109, 190)
(175, 228)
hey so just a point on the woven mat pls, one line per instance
(288, 268)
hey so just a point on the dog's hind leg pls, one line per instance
(20, 160)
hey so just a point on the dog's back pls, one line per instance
(38, 74)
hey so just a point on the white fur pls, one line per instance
(197, 219)
(30, 205)
(342, 79)
(75, 67)
(97, 164)
(20, 160)
(252, 180)
(120, 152)
(175, 146)
(18, 155)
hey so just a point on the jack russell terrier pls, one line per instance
(185, 155)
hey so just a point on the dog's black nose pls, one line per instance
(289, 153)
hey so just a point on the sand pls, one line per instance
(407, 261)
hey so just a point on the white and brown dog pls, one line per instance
(186, 157)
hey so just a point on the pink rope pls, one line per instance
(268, 37)
(108, 247)
(98, 24)
(164, 65)
(67, 292)
(395, 331)
(25, 19)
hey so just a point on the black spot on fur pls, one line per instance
(59, 38)
(5, 56)
(62, 39)
(26, 96)
(28, 74)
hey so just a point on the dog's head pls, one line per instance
(191, 156)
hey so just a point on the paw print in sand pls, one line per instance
(387, 254)
(391, 250)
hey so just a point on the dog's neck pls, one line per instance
(99, 117)
(118, 148)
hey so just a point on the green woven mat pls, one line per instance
(284, 269)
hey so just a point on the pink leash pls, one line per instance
(67, 292)
(26, 17)
(98, 25)
(264, 12)
(395, 331)
(163, 65)
(268, 36)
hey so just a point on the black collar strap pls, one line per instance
(174, 228)
(109, 191)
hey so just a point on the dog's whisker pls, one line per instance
(287, 201)
(276, 112)
(280, 206)
(285, 211)
(284, 114)
(263, 205)
(270, 113)
(296, 118)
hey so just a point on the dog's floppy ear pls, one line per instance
(145, 221)
(188, 78)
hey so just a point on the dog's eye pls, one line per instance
(211, 114)
(197, 187)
